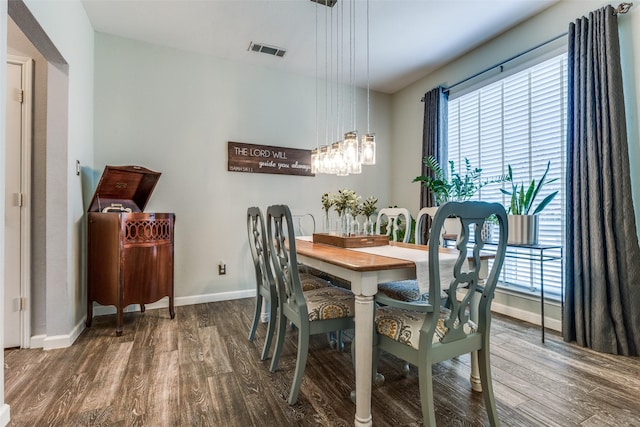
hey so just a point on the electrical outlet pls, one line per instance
(222, 268)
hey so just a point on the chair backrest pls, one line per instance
(466, 275)
(421, 221)
(305, 224)
(394, 217)
(282, 246)
(257, 231)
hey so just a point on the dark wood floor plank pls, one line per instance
(214, 352)
(107, 381)
(130, 403)
(200, 369)
(163, 398)
(196, 405)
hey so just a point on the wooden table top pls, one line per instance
(362, 261)
(346, 258)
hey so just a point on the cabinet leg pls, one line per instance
(142, 308)
(119, 321)
(172, 312)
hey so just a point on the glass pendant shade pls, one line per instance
(351, 152)
(368, 148)
(344, 157)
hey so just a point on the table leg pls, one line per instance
(364, 332)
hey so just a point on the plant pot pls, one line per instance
(523, 229)
(486, 234)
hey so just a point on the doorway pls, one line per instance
(17, 228)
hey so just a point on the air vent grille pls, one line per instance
(269, 50)
(329, 3)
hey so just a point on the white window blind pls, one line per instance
(518, 121)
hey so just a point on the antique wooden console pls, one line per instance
(130, 252)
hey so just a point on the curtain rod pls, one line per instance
(621, 9)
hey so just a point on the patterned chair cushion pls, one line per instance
(329, 303)
(310, 282)
(406, 290)
(404, 325)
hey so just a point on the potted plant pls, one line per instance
(522, 221)
(456, 187)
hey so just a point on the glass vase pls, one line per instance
(354, 227)
(367, 226)
(326, 225)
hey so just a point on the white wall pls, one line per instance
(70, 137)
(174, 112)
(407, 110)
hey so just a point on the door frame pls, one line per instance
(25, 189)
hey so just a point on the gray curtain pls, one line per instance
(434, 142)
(602, 299)
(434, 135)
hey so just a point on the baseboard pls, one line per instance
(5, 415)
(527, 316)
(101, 310)
(37, 341)
(62, 341)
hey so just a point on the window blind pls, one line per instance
(519, 121)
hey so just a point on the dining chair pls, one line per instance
(316, 311)
(408, 290)
(394, 217)
(425, 333)
(266, 292)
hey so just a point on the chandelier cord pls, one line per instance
(368, 82)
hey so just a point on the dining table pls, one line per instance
(364, 269)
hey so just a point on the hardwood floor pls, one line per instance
(200, 370)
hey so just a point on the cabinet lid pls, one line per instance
(129, 186)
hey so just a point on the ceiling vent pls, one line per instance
(269, 50)
(329, 3)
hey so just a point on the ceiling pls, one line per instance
(407, 38)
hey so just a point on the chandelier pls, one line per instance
(341, 153)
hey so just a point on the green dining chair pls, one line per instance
(316, 311)
(425, 333)
(408, 290)
(266, 292)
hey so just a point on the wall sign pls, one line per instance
(254, 158)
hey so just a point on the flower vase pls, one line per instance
(326, 226)
(354, 228)
(367, 226)
(339, 225)
(346, 223)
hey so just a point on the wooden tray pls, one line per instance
(351, 241)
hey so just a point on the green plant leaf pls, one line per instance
(543, 204)
(528, 198)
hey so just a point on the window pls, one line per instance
(520, 121)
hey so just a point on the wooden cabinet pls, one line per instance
(130, 252)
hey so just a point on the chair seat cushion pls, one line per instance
(406, 290)
(404, 325)
(329, 303)
(309, 282)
